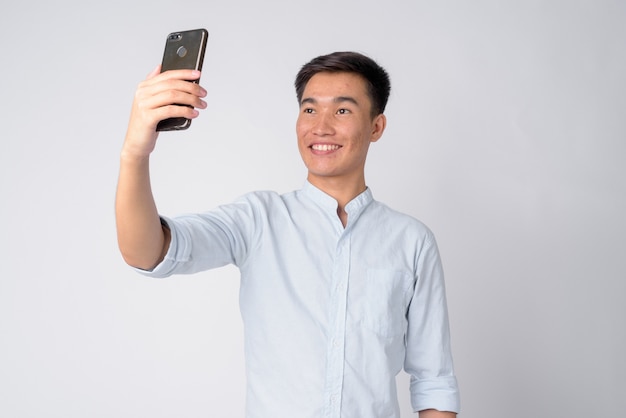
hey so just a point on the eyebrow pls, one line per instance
(339, 99)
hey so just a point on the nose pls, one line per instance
(323, 125)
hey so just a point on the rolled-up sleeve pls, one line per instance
(208, 240)
(428, 353)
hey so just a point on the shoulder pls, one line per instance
(259, 196)
(265, 198)
(399, 221)
(265, 203)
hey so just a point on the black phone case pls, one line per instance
(183, 50)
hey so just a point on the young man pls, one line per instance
(338, 291)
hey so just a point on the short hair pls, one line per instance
(377, 79)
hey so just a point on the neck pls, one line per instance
(339, 189)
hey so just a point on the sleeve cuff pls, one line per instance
(440, 393)
(164, 268)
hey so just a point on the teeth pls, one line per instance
(325, 147)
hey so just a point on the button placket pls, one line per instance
(336, 342)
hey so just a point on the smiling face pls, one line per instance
(335, 128)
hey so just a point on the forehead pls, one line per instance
(335, 84)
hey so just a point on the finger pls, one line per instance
(178, 80)
(186, 75)
(168, 112)
(177, 103)
(149, 113)
(174, 111)
(174, 97)
(169, 87)
(155, 72)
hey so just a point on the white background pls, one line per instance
(506, 135)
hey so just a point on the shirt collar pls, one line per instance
(354, 208)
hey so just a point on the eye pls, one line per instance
(343, 111)
(307, 110)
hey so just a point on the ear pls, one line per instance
(378, 127)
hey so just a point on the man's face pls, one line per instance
(335, 127)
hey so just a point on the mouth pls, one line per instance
(325, 147)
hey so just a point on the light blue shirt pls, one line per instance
(330, 314)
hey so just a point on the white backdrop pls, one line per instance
(506, 135)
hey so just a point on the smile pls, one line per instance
(325, 147)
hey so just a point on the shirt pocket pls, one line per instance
(385, 300)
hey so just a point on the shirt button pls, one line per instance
(333, 398)
(336, 343)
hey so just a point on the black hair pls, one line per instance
(377, 79)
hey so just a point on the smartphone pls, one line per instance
(183, 50)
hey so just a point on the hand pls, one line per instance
(158, 97)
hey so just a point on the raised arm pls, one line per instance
(142, 240)
(433, 413)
